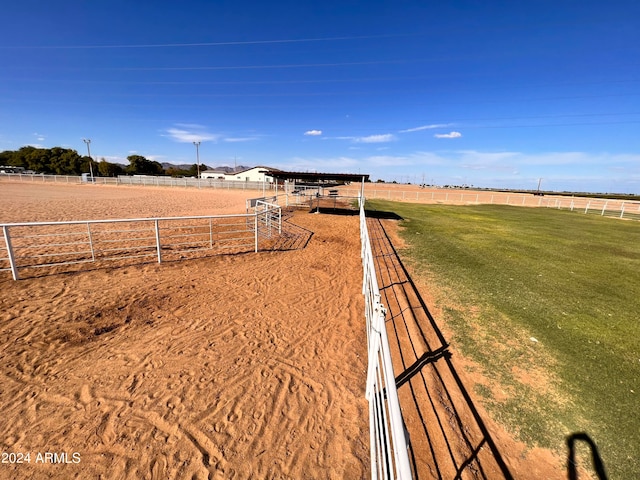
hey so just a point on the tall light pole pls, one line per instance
(88, 142)
(197, 144)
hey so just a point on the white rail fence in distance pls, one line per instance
(142, 180)
(626, 209)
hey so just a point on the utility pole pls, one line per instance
(88, 142)
(197, 144)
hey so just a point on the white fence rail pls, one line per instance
(627, 209)
(37, 245)
(143, 180)
(268, 220)
(389, 455)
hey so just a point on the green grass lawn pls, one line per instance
(546, 303)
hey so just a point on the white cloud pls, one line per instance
(313, 133)
(574, 171)
(381, 138)
(554, 159)
(448, 135)
(387, 137)
(417, 159)
(333, 164)
(188, 133)
(190, 126)
(387, 160)
(40, 137)
(240, 139)
(426, 127)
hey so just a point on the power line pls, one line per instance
(210, 44)
(40, 79)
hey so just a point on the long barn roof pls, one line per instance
(316, 177)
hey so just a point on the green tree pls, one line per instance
(193, 170)
(107, 169)
(139, 165)
(176, 172)
(84, 165)
(56, 160)
(36, 159)
(63, 161)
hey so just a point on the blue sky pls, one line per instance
(485, 93)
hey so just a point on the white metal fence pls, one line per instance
(627, 209)
(268, 220)
(389, 456)
(38, 245)
(142, 180)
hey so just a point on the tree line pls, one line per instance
(66, 161)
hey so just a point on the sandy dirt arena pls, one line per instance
(236, 366)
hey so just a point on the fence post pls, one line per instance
(279, 221)
(622, 211)
(586, 210)
(93, 256)
(604, 207)
(255, 217)
(12, 262)
(393, 404)
(158, 242)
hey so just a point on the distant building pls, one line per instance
(254, 174)
(11, 169)
(217, 174)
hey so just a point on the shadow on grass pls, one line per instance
(598, 465)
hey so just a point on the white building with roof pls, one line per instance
(254, 174)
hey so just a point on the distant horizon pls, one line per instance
(381, 180)
(453, 92)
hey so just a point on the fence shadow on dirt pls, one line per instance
(447, 438)
(292, 236)
(349, 211)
